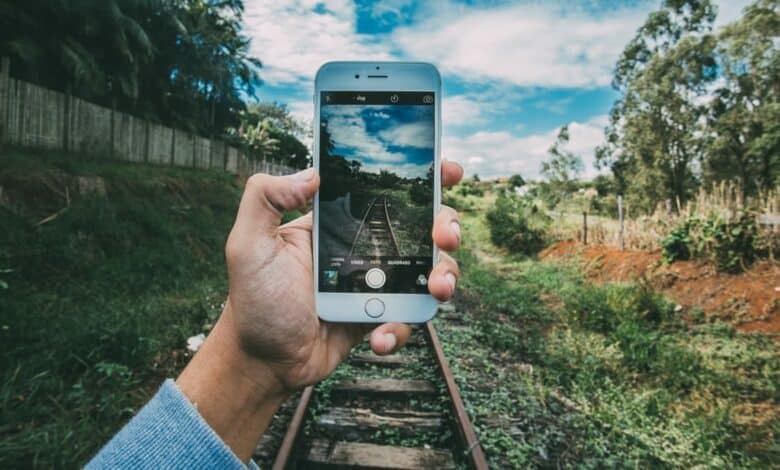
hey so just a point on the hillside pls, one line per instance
(105, 269)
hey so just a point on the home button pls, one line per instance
(374, 308)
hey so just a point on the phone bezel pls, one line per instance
(400, 76)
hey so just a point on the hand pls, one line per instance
(269, 341)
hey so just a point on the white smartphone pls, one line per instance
(376, 147)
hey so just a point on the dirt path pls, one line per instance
(750, 300)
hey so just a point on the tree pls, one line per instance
(260, 141)
(744, 115)
(283, 127)
(184, 63)
(656, 129)
(278, 114)
(516, 181)
(561, 169)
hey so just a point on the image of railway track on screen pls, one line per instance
(376, 198)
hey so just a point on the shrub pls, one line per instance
(421, 193)
(517, 225)
(731, 243)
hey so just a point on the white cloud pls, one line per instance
(462, 110)
(346, 125)
(501, 153)
(293, 40)
(415, 134)
(525, 44)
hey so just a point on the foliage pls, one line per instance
(561, 170)
(559, 372)
(695, 106)
(421, 192)
(184, 63)
(731, 243)
(516, 181)
(470, 188)
(744, 115)
(269, 131)
(260, 141)
(102, 297)
(655, 130)
(517, 225)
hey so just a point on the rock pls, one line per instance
(678, 308)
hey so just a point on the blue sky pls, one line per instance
(398, 139)
(514, 72)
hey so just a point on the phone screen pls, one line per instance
(376, 192)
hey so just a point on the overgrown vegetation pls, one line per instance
(731, 243)
(517, 224)
(109, 268)
(559, 372)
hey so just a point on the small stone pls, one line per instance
(777, 289)
(678, 308)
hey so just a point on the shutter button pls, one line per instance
(375, 278)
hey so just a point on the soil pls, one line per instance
(749, 300)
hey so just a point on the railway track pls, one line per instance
(402, 411)
(376, 237)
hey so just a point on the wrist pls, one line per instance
(236, 394)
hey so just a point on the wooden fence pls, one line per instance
(36, 117)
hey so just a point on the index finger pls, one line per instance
(451, 173)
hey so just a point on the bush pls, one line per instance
(470, 188)
(421, 193)
(517, 225)
(731, 244)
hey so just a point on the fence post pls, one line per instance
(620, 216)
(146, 146)
(66, 120)
(5, 85)
(584, 228)
(173, 147)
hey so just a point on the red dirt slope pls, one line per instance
(750, 300)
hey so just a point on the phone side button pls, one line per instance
(374, 308)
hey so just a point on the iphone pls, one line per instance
(376, 146)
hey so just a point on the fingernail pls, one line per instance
(455, 228)
(390, 341)
(305, 175)
(451, 281)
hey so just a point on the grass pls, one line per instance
(558, 372)
(96, 304)
(101, 298)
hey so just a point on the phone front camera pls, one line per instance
(357, 75)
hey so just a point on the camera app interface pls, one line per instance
(376, 196)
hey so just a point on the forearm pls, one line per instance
(236, 395)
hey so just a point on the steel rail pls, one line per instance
(390, 227)
(293, 429)
(473, 452)
(362, 224)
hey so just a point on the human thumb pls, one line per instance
(266, 197)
